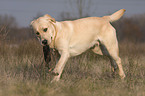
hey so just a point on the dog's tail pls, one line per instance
(115, 16)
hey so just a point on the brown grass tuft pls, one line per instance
(21, 73)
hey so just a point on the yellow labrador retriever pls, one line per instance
(72, 38)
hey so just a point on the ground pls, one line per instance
(21, 73)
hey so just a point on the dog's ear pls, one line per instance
(32, 22)
(50, 18)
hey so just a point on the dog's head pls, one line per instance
(44, 29)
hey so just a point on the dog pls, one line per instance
(71, 38)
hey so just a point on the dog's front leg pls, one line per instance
(60, 65)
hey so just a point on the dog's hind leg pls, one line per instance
(100, 49)
(110, 49)
(96, 49)
(106, 53)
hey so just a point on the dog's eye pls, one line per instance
(37, 33)
(45, 29)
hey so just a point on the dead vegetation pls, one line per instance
(22, 72)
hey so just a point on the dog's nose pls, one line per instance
(44, 42)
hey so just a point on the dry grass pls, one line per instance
(21, 73)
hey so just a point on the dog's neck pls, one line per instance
(52, 44)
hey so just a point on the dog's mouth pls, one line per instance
(50, 56)
(47, 54)
(45, 43)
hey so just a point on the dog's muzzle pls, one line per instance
(44, 42)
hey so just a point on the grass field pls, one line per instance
(21, 73)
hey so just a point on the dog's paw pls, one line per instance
(55, 73)
(122, 76)
(55, 79)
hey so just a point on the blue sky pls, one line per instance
(25, 10)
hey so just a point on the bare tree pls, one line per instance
(6, 23)
(79, 9)
(3, 33)
(83, 7)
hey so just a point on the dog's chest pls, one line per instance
(78, 48)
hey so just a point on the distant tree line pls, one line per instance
(128, 29)
(131, 28)
(9, 30)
